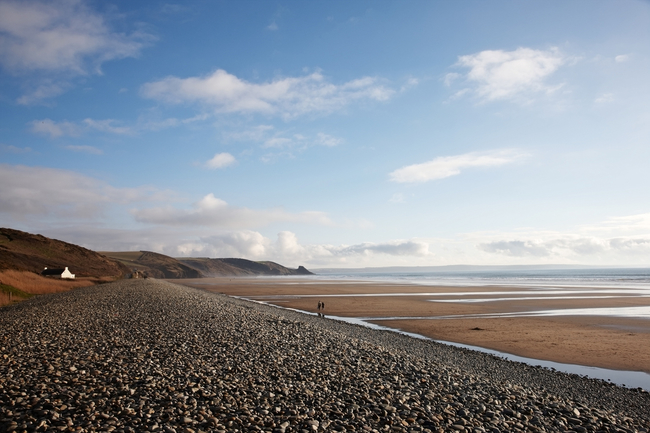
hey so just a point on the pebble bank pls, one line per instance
(147, 355)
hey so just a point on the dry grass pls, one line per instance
(34, 284)
(5, 299)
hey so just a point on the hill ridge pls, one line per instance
(33, 252)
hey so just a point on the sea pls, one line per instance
(491, 276)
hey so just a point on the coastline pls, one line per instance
(148, 355)
(610, 342)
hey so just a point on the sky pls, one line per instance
(331, 134)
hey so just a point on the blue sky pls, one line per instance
(331, 134)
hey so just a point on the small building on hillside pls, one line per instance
(58, 273)
(138, 274)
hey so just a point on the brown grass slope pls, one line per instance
(239, 267)
(28, 252)
(154, 265)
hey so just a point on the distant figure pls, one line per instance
(319, 304)
(322, 305)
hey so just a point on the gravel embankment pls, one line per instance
(146, 355)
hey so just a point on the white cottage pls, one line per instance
(58, 273)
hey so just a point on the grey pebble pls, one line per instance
(147, 355)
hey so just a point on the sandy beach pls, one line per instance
(445, 313)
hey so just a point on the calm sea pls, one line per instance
(594, 277)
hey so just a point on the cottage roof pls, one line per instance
(53, 271)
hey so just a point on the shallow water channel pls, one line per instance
(629, 379)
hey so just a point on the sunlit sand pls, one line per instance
(600, 327)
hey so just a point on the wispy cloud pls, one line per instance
(46, 89)
(60, 36)
(499, 74)
(280, 141)
(287, 97)
(85, 149)
(220, 160)
(629, 224)
(8, 148)
(395, 248)
(257, 133)
(42, 191)
(108, 125)
(49, 43)
(211, 211)
(55, 129)
(446, 166)
(283, 143)
(328, 140)
(64, 128)
(604, 98)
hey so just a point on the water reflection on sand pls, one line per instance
(488, 295)
(632, 379)
(610, 301)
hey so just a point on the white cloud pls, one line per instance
(450, 78)
(288, 97)
(622, 58)
(516, 248)
(498, 74)
(8, 148)
(604, 98)
(245, 243)
(409, 84)
(41, 191)
(568, 246)
(214, 212)
(71, 129)
(396, 248)
(55, 129)
(106, 125)
(287, 248)
(616, 226)
(85, 149)
(328, 140)
(446, 166)
(279, 142)
(258, 133)
(59, 36)
(43, 91)
(220, 160)
(273, 26)
(282, 143)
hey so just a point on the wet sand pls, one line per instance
(601, 341)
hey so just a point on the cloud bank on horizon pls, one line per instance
(350, 136)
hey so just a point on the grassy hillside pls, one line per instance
(153, 264)
(27, 252)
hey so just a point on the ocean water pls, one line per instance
(591, 277)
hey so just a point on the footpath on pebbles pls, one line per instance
(146, 355)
